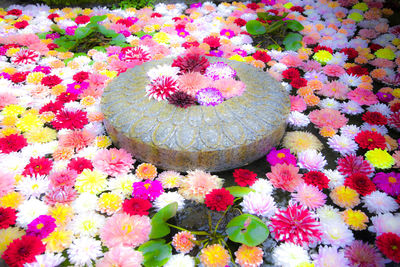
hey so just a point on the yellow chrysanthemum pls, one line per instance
(109, 203)
(12, 110)
(249, 256)
(9, 131)
(35, 77)
(11, 200)
(396, 41)
(58, 240)
(103, 141)
(345, 197)
(91, 181)
(379, 158)
(355, 219)
(237, 58)
(161, 38)
(28, 122)
(146, 171)
(214, 256)
(7, 236)
(109, 74)
(357, 17)
(11, 51)
(62, 213)
(305, 264)
(9, 70)
(361, 6)
(47, 116)
(385, 53)
(40, 135)
(322, 56)
(88, 101)
(148, 28)
(396, 92)
(298, 141)
(9, 121)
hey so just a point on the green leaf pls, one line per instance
(159, 228)
(107, 32)
(96, 19)
(275, 26)
(155, 252)
(82, 32)
(292, 41)
(247, 229)
(238, 191)
(100, 48)
(255, 27)
(274, 47)
(43, 35)
(120, 38)
(294, 25)
(55, 28)
(64, 42)
(266, 16)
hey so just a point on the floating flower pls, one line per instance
(220, 70)
(198, 184)
(91, 181)
(7, 217)
(162, 88)
(42, 226)
(170, 179)
(259, 204)
(209, 96)
(309, 196)
(345, 197)
(181, 99)
(132, 54)
(113, 161)
(23, 250)
(330, 257)
(352, 164)
(360, 253)
(356, 219)
(121, 256)
(370, 140)
(146, 171)
(244, 177)
(191, 63)
(84, 250)
(298, 141)
(136, 206)
(281, 156)
(147, 190)
(219, 199)
(388, 182)
(379, 202)
(361, 183)
(249, 256)
(25, 57)
(230, 87)
(182, 242)
(289, 255)
(109, 203)
(311, 160)
(214, 256)
(328, 117)
(342, 144)
(389, 244)
(285, 176)
(379, 158)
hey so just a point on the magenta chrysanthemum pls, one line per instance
(281, 156)
(25, 56)
(162, 88)
(363, 255)
(147, 190)
(296, 224)
(354, 164)
(137, 53)
(220, 70)
(388, 182)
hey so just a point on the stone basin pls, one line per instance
(212, 138)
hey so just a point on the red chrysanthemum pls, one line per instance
(297, 8)
(52, 106)
(156, 15)
(191, 63)
(65, 98)
(130, 54)
(23, 250)
(79, 164)
(53, 16)
(291, 73)
(261, 55)
(8, 217)
(52, 46)
(253, 6)
(181, 99)
(389, 244)
(162, 87)
(375, 118)
(38, 166)
(370, 140)
(81, 76)
(66, 119)
(355, 164)
(212, 41)
(357, 71)
(188, 45)
(19, 77)
(21, 24)
(25, 56)
(219, 199)
(298, 82)
(322, 47)
(136, 206)
(361, 183)
(12, 143)
(82, 19)
(240, 22)
(295, 224)
(126, 22)
(375, 47)
(51, 80)
(244, 177)
(317, 179)
(394, 120)
(14, 12)
(351, 53)
(395, 107)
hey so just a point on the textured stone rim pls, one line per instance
(229, 135)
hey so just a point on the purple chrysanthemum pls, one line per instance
(220, 70)
(209, 97)
(42, 226)
(388, 182)
(329, 255)
(147, 190)
(363, 255)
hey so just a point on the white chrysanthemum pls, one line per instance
(167, 198)
(329, 103)
(338, 59)
(330, 257)
(335, 178)
(248, 48)
(86, 202)
(47, 260)
(380, 202)
(33, 186)
(39, 150)
(87, 224)
(30, 210)
(350, 80)
(83, 250)
(163, 70)
(384, 223)
(64, 73)
(59, 165)
(381, 108)
(342, 144)
(289, 255)
(311, 160)
(96, 128)
(259, 204)
(263, 186)
(170, 179)
(328, 214)
(122, 184)
(279, 67)
(374, 128)
(297, 119)
(82, 60)
(351, 107)
(13, 163)
(100, 56)
(180, 260)
(88, 152)
(73, 106)
(350, 131)
(336, 233)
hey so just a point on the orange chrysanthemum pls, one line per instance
(249, 256)
(146, 171)
(214, 256)
(182, 242)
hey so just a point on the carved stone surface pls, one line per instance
(229, 135)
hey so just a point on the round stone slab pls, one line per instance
(229, 135)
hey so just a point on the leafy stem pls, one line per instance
(220, 219)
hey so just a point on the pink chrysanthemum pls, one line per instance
(328, 118)
(333, 70)
(295, 224)
(198, 184)
(355, 164)
(311, 160)
(334, 89)
(230, 87)
(297, 103)
(6, 183)
(191, 82)
(113, 161)
(121, 256)
(394, 120)
(161, 88)
(285, 176)
(309, 196)
(363, 255)
(137, 53)
(7, 99)
(62, 194)
(63, 178)
(71, 120)
(363, 96)
(25, 56)
(124, 230)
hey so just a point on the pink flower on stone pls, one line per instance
(124, 230)
(121, 256)
(114, 162)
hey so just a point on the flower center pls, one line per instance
(127, 228)
(77, 86)
(39, 226)
(147, 186)
(392, 179)
(35, 187)
(369, 140)
(280, 155)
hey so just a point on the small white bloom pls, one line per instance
(83, 250)
(289, 255)
(167, 198)
(259, 204)
(30, 210)
(86, 202)
(263, 186)
(380, 202)
(180, 260)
